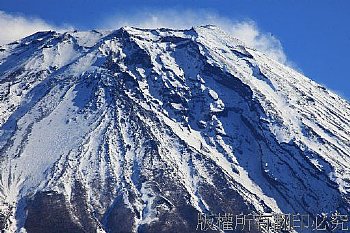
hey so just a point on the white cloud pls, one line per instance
(246, 31)
(14, 27)
(250, 34)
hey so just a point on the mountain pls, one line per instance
(139, 130)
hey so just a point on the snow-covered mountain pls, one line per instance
(139, 130)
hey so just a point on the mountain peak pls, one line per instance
(128, 130)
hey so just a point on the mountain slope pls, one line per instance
(138, 130)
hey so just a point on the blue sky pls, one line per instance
(313, 35)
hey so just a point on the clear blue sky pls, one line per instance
(314, 34)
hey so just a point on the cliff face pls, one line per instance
(139, 130)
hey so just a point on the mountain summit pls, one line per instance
(139, 130)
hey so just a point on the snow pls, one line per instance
(213, 94)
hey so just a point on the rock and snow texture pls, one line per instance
(138, 130)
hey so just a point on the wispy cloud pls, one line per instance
(14, 26)
(249, 33)
(246, 30)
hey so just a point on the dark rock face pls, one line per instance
(119, 219)
(49, 212)
(3, 222)
(80, 209)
